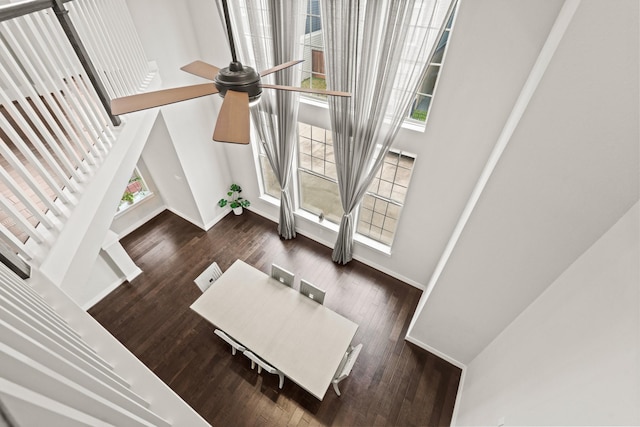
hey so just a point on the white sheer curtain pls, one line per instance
(378, 51)
(267, 33)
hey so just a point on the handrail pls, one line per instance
(16, 10)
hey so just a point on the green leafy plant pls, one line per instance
(419, 115)
(127, 197)
(234, 200)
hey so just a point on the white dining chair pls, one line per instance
(344, 369)
(281, 275)
(210, 275)
(255, 360)
(235, 346)
(311, 291)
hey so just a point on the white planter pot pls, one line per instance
(238, 210)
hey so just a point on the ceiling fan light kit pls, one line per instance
(240, 79)
(238, 85)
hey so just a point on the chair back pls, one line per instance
(347, 363)
(261, 363)
(216, 271)
(281, 275)
(255, 360)
(210, 275)
(233, 343)
(312, 292)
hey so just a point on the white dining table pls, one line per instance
(303, 339)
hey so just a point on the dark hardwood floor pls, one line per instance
(393, 382)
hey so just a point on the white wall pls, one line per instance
(104, 277)
(568, 173)
(573, 356)
(168, 173)
(168, 35)
(70, 260)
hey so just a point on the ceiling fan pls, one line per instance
(239, 85)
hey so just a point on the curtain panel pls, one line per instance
(267, 34)
(378, 50)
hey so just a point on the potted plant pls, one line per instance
(234, 200)
(127, 197)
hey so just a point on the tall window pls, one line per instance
(313, 65)
(269, 181)
(312, 21)
(318, 180)
(378, 215)
(318, 185)
(420, 106)
(381, 205)
(313, 50)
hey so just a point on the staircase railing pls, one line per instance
(56, 131)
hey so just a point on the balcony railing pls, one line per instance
(56, 129)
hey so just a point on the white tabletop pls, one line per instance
(298, 336)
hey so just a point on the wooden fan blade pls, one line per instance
(202, 69)
(281, 67)
(233, 120)
(307, 90)
(142, 101)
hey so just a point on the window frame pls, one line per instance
(138, 197)
(408, 122)
(368, 239)
(446, 33)
(388, 200)
(264, 173)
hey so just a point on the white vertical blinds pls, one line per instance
(55, 131)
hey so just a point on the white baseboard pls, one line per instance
(106, 291)
(131, 228)
(183, 216)
(389, 272)
(161, 209)
(456, 405)
(437, 352)
(357, 257)
(134, 274)
(217, 219)
(451, 360)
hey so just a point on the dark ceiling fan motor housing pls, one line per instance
(239, 78)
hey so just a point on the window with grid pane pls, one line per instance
(317, 177)
(313, 65)
(380, 208)
(313, 51)
(422, 102)
(269, 181)
(318, 185)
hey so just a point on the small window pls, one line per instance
(135, 192)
